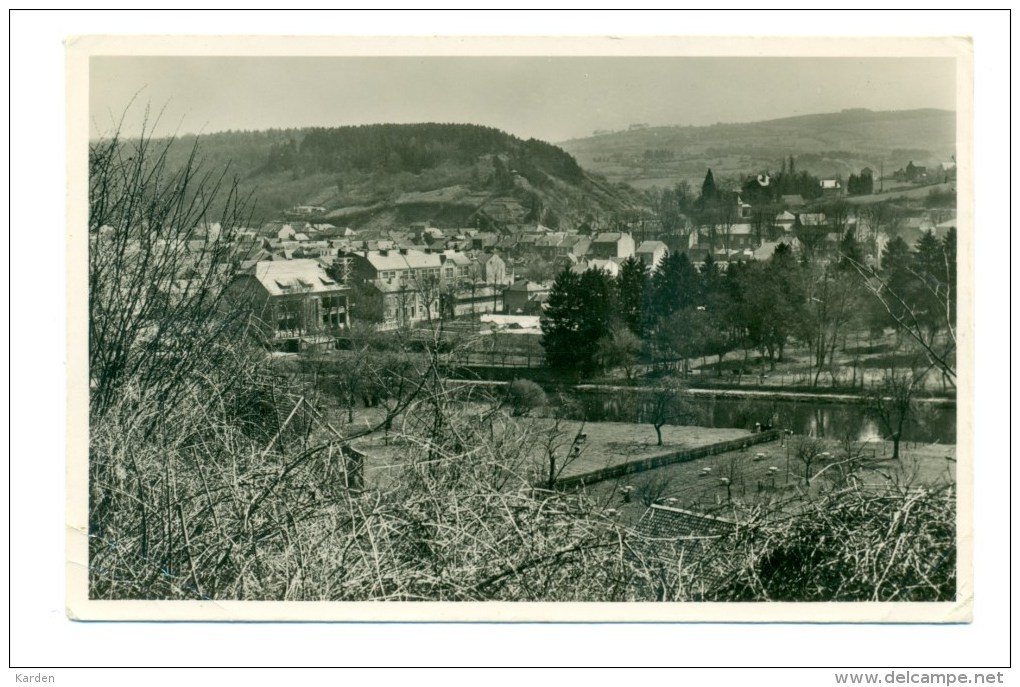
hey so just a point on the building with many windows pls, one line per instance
(290, 302)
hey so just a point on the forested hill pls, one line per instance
(830, 144)
(456, 175)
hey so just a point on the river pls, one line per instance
(929, 423)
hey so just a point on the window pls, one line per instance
(288, 316)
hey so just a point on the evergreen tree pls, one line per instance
(850, 254)
(931, 257)
(579, 315)
(896, 258)
(561, 326)
(711, 283)
(632, 287)
(709, 192)
(675, 285)
(934, 290)
(597, 302)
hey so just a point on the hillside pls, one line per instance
(827, 144)
(389, 175)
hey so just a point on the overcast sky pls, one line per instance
(548, 98)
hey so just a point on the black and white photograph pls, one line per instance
(648, 330)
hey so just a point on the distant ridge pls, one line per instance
(834, 143)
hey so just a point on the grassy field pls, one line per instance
(613, 443)
(607, 444)
(698, 485)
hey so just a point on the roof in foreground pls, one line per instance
(664, 522)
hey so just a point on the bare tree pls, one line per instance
(891, 402)
(161, 250)
(832, 306)
(670, 403)
(916, 322)
(810, 453)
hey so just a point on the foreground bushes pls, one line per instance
(855, 544)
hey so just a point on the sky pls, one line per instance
(550, 98)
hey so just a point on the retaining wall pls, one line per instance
(657, 461)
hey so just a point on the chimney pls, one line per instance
(403, 251)
(383, 252)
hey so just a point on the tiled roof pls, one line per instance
(609, 237)
(662, 522)
(700, 543)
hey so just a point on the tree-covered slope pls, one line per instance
(389, 174)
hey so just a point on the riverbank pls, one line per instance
(771, 394)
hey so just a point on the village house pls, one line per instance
(785, 221)
(393, 304)
(546, 247)
(507, 245)
(401, 266)
(524, 297)
(484, 240)
(651, 253)
(457, 267)
(738, 237)
(405, 286)
(831, 187)
(611, 245)
(291, 302)
(492, 268)
(580, 247)
(743, 208)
